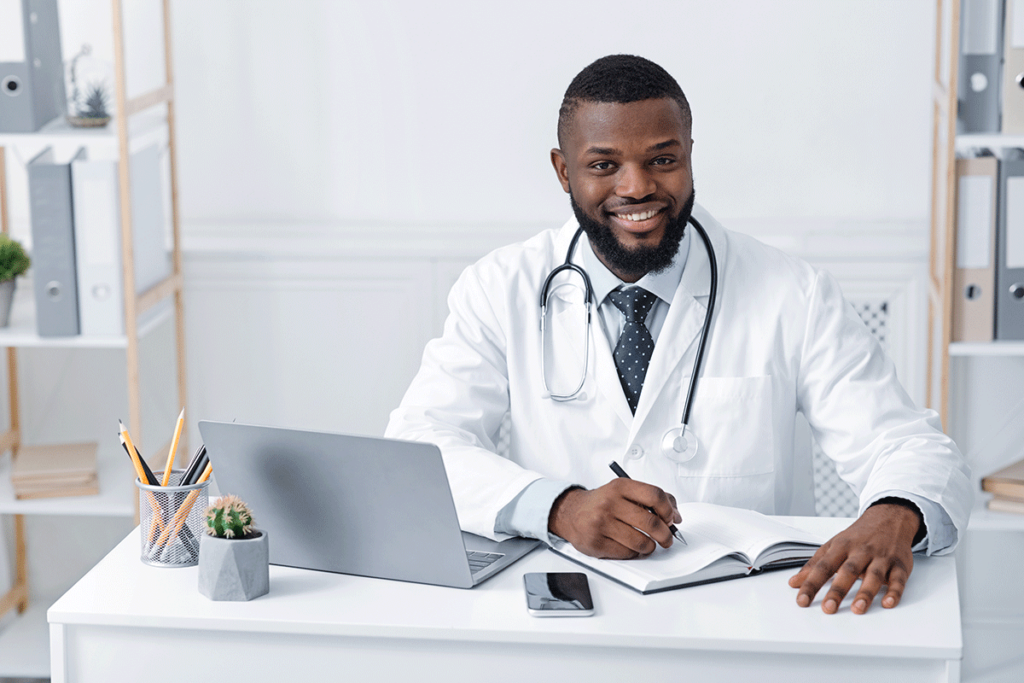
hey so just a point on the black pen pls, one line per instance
(619, 472)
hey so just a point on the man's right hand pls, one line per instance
(612, 522)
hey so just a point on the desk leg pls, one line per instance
(953, 671)
(58, 657)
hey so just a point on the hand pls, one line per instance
(607, 522)
(875, 548)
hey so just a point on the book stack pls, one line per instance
(55, 471)
(1007, 485)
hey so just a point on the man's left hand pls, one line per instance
(875, 548)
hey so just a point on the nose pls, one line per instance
(634, 182)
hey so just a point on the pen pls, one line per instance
(619, 472)
(174, 447)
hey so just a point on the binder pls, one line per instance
(981, 54)
(1010, 256)
(31, 65)
(1013, 68)
(974, 278)
(97, 219)
(53, 246)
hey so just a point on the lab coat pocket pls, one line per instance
(735, 462)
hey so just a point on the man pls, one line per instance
(782, 340)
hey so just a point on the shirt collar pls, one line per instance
(663, 284)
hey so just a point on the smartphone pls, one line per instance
(558, 594)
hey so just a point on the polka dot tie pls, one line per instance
(633, 352)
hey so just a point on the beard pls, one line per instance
(635, 262)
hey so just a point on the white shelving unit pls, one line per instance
(139, 122)
(993, 633)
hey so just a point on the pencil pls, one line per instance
(619, 472)
(182, 514)
(174, 448)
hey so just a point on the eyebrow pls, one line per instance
(611, 151)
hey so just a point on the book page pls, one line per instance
(744, 531)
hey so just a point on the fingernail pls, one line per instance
(890, 601)
(830, 605)
(803, 600)
(860, 605)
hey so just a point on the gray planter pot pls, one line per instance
(6, 297)
(234, 569)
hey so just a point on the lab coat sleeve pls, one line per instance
(863, 418)
(459, 398)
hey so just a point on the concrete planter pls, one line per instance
(6, 298)
(234, 569)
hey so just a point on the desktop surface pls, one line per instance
(745, 623)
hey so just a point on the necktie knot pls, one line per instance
(635, 303)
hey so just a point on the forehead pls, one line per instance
(612, 125)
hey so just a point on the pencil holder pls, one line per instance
(171, 521)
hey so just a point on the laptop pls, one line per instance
(354, 504)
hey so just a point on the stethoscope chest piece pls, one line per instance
(679, 444)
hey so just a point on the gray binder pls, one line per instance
(53, 246)
(31, 66)
(1010, 246)
(981, 55)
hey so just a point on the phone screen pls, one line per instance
(558, 594)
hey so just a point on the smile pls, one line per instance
(637, 217)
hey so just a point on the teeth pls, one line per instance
(638, 216)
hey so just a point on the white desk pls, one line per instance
(126, 621)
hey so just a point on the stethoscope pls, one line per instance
(679, 442)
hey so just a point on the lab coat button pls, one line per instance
(636, 452)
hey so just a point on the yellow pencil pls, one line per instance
(174, 448)
(182, 514)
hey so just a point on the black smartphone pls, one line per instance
(558, 594)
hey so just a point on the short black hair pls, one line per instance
(620, 79)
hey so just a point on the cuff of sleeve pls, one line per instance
(527, 514)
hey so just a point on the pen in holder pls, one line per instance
(171, 521)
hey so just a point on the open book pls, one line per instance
(722, 543)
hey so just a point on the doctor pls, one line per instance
(781, 340)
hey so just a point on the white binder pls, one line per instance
(1013, 68)
(98, 237)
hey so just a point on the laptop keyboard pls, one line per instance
(479, 561)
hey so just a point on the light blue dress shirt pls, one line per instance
(527, 514)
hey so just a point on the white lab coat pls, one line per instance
(783, 340)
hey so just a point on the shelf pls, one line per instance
(965, 143)
(996, 348)
(114, 499)
(144, 129)
(25, 642)
(983, 519)
(21, 332)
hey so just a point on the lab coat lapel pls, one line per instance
(682, 324)
(566, 324)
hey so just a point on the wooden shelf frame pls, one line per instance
(135, 304)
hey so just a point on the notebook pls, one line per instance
(353, 504)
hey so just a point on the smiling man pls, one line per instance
(581, 390)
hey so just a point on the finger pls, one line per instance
(634, 543)
(848, 573)
(898, 576)
(797, 579)
(874, 577)
(647, 522)
(822, 568)
(653, 497)
(676, 518)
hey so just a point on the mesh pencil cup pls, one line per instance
(171, 521)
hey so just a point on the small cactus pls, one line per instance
(229, 517)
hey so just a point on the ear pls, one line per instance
(561, 168)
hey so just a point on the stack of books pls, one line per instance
(1007, 485)
(55, 471)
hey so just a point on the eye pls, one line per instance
(601, 166)
(663, 161)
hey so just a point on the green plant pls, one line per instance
(229, 517)
(94, 105)
(13, 259)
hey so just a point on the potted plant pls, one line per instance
(13, 262)
(234, 558)
(88, 106)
